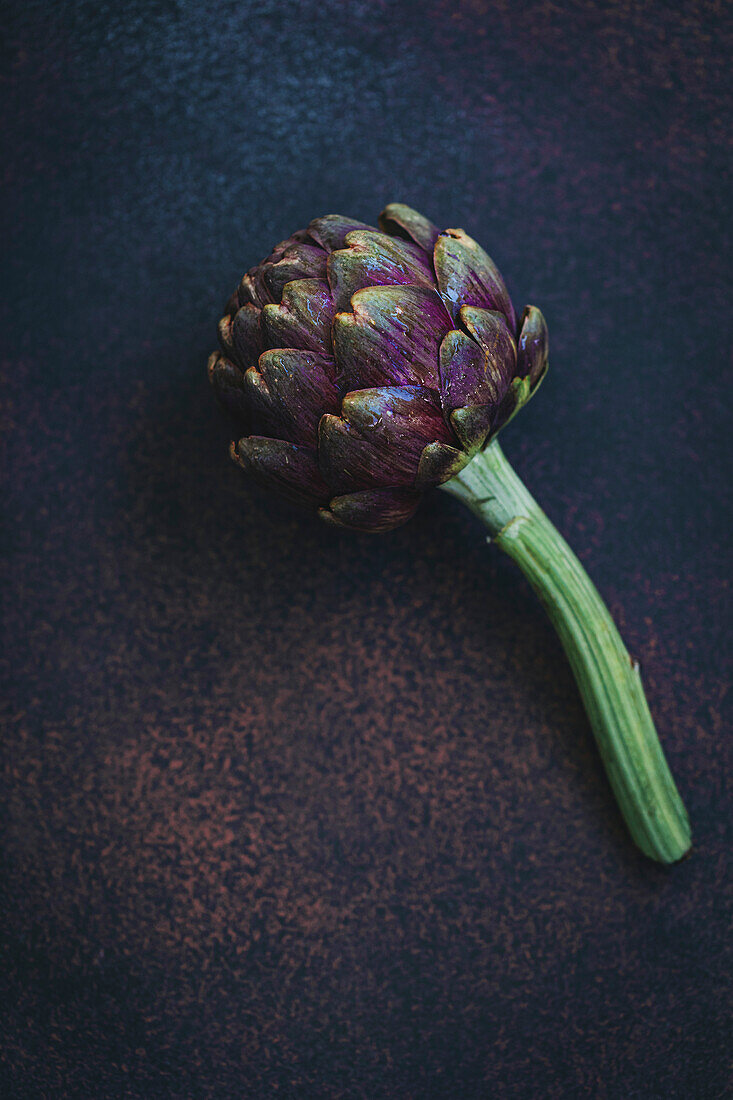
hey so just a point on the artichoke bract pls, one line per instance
(362, 366)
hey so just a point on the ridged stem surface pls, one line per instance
(609, 681)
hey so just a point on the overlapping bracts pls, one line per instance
(362, 366)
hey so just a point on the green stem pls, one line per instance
(609, 681)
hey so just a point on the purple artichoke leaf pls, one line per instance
(374, 259)
(532, 345)
(350, 462)
(261, 285)
(302, 319)
(392, 337)
(472, 424)
(465, 377)
(489, 330)
(224, 333)
(439, 462)
(400, 416)
(301, 388)
(331, 231)
(301, 236)
(467, 276)
(519, 393)
(266, 416)
(246, 336)
(516, 397)
(373, 510)
(228, 384)
(247, 291)
(300, 261)
(402, 221)
(290, 469)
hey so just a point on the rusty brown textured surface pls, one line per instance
(289, 812)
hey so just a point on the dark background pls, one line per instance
(290, 812)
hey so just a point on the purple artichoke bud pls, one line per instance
(362, 366)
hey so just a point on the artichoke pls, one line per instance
(362, 366)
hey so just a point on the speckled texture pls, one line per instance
(289, 812)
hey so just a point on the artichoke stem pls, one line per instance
(609, 681)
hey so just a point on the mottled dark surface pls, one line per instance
(289, 812)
